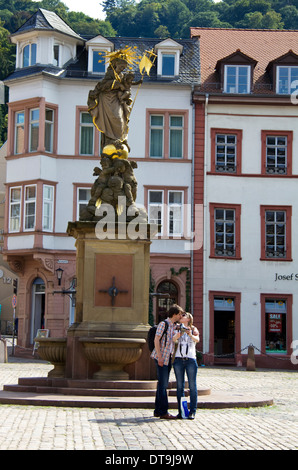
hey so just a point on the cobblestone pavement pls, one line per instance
(54, 428)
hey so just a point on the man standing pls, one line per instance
(162, 352)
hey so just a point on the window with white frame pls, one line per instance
(168, 64)
(49, 130)
(167, 135)
(237, 78)
(175, 219)
(29, 55)
(19, 143)
(56, 55)
(48, 208)
(86, 134)
(157, 136)
(98, 62)
(15, 209)
(176, 137)
(34, 130)
(286, 79)
(165, 208)
(83, 197)
(156, 209)
(30, 207)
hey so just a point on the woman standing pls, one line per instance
(185, 361)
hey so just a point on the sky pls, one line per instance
(89, 7)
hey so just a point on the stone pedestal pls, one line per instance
(112, 296)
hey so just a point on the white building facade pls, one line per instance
(53, 148)
(248, 119)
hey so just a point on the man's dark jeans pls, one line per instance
(161, 398)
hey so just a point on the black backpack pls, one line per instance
(151, 335)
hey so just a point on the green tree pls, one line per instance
(175, 16)
(289, 16)
(7, 53)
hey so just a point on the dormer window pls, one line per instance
(286, 79)
(168, 65)
(29, 55)
(98, 64)
(168, 58)
(237, 79)
(236, 73)
(97, 48)
(56, 53)
(283, 72)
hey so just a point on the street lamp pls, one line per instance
(59, 273)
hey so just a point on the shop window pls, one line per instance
(276, 325)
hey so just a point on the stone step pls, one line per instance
(96, 392)
(216, 400)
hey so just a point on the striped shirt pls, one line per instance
(166, 343)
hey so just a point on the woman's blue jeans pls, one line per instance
(190, 366)
(161, 397)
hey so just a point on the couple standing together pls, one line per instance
(185, 360)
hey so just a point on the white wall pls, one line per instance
(68, 94)
(250, 275)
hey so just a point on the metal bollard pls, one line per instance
(251, 362)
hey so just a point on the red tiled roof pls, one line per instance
(262, 45)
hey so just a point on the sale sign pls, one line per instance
(275, 323)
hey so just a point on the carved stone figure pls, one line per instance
(110, 105)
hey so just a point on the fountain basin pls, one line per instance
(112, 355)
(53, 350)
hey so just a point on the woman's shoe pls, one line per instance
(191, 416)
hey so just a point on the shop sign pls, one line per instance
(275, 323)
(286, 277)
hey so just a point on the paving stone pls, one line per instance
(49, 428)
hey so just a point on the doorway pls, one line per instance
(168, 296)
(224, 328)
(38, 307)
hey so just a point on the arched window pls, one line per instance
(29, 55)
(168, 296)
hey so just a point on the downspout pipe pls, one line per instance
(205, 293)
